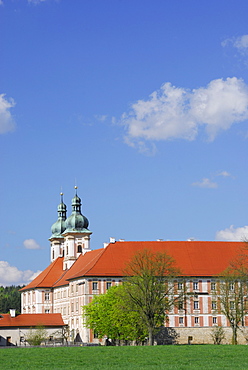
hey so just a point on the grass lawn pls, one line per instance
(157, 357)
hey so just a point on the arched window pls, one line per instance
(79, 248)
(53, 255)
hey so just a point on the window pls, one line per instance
(46, 296)
(47, 311)
(180, 286)
(196, 305)
(94, 285)
(195, 286)
(71, 288)
(180, 305)
(214, 305)
(180, 320)
(214, 320)
(72, 307)
(231, 286)
(196, 320)
(232, 305)
(213, 286)
(79, 249)
(108, 285)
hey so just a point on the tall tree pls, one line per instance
(231, 294)
(107, 315)
(149, 288)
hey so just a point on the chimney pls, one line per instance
(12, 312)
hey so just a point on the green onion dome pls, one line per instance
(76, 222)
(60, 225)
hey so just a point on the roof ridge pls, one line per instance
(96, 258)
(49, 269)
(61, 276)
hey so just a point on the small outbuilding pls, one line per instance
(15, 329)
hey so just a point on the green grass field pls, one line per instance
(157, 357)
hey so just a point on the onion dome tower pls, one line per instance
(76, 222)
(76, 234)
(57, 229)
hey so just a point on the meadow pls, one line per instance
(157, 357)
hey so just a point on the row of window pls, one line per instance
(213, 305)
(79, 250)
(197, 320)
(180, 286)
(95, 285)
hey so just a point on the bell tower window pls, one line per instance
(79, 248)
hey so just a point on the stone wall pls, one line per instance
(198, 335)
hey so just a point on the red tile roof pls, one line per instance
(33, 319)
(81, 266)
(194, 258)
(48, 277)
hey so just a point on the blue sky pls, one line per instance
(142, 104)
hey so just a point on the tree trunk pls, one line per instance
(234, 336)
(150, 331)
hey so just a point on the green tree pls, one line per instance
(107, 315)
(36, 336)
(232, 294)
(218, 334)
(232, 303)
(149, 288)
(10, 297)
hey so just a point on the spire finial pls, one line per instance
(61, 194)
(75, 187)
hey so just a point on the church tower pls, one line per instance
(70, 236)
(76, 234)
(57, 229)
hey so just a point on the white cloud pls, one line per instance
(101, 118)
(36, 1)
(11, 275)
(232, 234)
(224, 174)
(206, 183)
(173, 112)
(240, 43)
(31, 244)
(7, 122)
